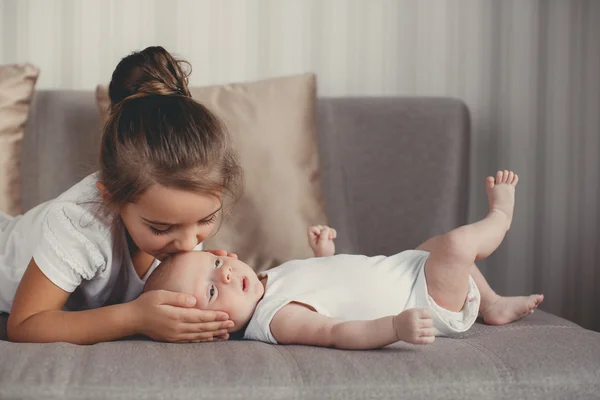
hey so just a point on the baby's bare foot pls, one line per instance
(501, 193)
(509, 309)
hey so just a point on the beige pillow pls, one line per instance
(272, 123)
(16, 91)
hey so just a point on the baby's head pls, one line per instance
(218, 283)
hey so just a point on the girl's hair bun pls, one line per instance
(152, 71)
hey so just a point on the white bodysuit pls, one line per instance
(353, 287)
(79, 251)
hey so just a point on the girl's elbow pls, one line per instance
(13, 331)
(16, 330)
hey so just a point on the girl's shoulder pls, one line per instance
(82, 199)
(83, 192)
(76, 236)
(78, 213)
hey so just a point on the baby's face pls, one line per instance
(220, 283)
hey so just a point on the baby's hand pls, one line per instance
(320, 239)
(415, 326)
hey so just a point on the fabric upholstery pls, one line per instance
(541, 357)
(368, 147)
(394, 170)
(16, 90)
(61, 144)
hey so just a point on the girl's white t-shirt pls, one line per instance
(76, 248)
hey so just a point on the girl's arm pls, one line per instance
(36, 316)
(297, 324)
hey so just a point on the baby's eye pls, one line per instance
(211, 292)
(218, 263)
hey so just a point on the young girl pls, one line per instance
(72, 269)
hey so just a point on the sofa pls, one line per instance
(394, 172)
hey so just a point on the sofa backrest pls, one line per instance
(394, 170)
(61, 143)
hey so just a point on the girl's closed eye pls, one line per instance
(211, 292)
(209, 220)
(159, 232)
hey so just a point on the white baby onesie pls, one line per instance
(79, 251)
(354, 287)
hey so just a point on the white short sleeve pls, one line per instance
(74, 246)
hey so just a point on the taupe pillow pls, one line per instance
(272, 123)
(16, 91)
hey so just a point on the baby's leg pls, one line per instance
(452, 255)
(500, 310)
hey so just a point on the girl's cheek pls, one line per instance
(149, 241)
(206, 232)
(159, 242)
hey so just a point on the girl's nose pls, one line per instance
(186, 243)
(188, 239)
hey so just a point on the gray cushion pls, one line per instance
(61, 143)
(541, 357)
(395, 170)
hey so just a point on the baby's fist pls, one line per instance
(320, 239)
(415, 326)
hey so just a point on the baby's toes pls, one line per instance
(511, 177)
(499, 175)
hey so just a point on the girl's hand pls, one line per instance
(320, 239)
(171, 317)
(222, 253)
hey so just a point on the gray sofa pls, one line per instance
(394, 173)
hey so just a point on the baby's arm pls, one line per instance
(297, 324)
(320, 239)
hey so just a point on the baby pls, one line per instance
(359, 302)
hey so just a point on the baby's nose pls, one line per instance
(226, 274)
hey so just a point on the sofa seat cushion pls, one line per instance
(542, 356)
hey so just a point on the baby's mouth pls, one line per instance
(245, 284)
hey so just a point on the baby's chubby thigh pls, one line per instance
(446, 322)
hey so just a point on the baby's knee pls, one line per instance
(455, 246)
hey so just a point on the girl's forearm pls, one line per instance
(77, 327)
(364, 335)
